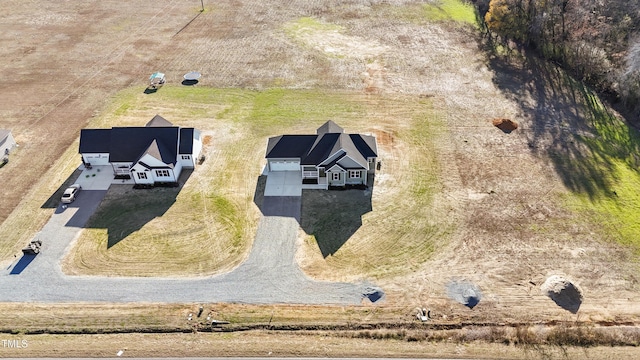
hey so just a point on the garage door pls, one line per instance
(284, 165)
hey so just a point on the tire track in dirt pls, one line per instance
(71, 91)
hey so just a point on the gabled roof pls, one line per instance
(329, 127)
(128, 144)
(315, 149)
(334, 162)
(186, 140)
(158, 121)
(289, 146)
(94, 141)
(325, 145)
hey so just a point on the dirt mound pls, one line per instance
(563, 292)
(464, 292)
(505, 125)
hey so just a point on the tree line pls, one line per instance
(596, 40)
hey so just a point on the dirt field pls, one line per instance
(511, 196)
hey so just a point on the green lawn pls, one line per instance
(208, 225)
(602, 170)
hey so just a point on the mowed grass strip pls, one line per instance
(208, 225)
(457, 12)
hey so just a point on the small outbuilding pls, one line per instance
(7, 143)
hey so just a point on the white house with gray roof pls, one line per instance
(155, 153)
(330, 158)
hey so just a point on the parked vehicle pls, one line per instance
(33, 248)
(70, 193)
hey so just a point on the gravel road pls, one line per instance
(270, 275)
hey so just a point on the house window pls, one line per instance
(354, 174)
(162, 173)
(186, 157)
(335, 176)
(142, 175)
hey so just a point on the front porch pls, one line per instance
(314, 182)
(312, 178)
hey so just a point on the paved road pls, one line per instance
(270, 274)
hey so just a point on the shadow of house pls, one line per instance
(331, 216)
(125, 210)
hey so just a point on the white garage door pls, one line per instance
(96, 159)
(284, 165)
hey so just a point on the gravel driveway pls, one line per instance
(270, 274)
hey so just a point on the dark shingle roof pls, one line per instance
(186, 141)
(93, 141)
(129, 143)
(314, 149)
(323, 147)
(289, 146)
(366, 144)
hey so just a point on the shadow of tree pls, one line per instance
(331, 216)
(568, 123)
(125, 210)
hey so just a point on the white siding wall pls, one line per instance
(8, 145)
(186, 161)
(197, 143)
(141, 175)
(355, 180)
(336, 182)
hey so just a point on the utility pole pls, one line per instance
(202, 3)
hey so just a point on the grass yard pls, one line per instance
(606, 181)
(455, 197)
(395, 226)
(207, 226)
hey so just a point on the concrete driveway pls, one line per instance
(99, 178)
(283, 183)
(286, 206)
